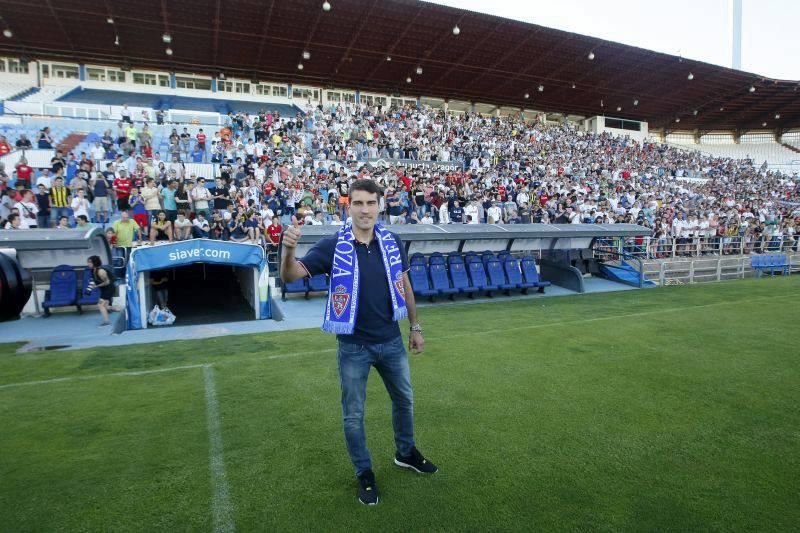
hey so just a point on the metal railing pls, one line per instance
(648, 248)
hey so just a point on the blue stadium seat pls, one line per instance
(417, 258)
(458, 275)
(497, 276)
(502, 256)
(441, 283)
(486, 255)
(300, 285)
(90, 298)
(514, 274)
(467, 255)
(318, 283)
(531, 275)
(477, 275)
(420, 281)
(63, 289)
(436, 258)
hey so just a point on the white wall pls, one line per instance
(597, 124)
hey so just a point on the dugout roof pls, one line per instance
(493, 60)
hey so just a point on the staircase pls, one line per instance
(790, 147)
(69, 142)
(20, 95)
(623, 272)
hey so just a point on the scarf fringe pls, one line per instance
(400, 313)
(338, 328)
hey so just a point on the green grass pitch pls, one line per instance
(674, 409)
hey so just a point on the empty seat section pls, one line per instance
(514, 274)
(477, 274)
(318, 283)
(531, 274)
(300, 285)
(497, 275)
(458, 275)
(420, 281)
(441, 282)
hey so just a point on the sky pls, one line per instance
(695, 29)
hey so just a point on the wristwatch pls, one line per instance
(416, 327)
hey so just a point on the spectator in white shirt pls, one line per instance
(44, 179)
(80, 205)
(28, 210)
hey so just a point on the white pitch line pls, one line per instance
(221, 506)
(98, 376)
(612, 317)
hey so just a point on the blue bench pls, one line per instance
(497, 276)
(63, 289)
(420, 282)
(440, 280)
(514, 274)
(458, 275)
(318, 283)
(300, 285)
(771, 263)
(530, 274)
(477, 275)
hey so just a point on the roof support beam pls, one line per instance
(59, 24)
(513, 51)
(265, 32)
(475, 46)
(353, 38)
(397, 41)
(215, 46)
(533, 66)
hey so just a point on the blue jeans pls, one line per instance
(391, 362)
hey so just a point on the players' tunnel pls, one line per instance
(206, 282)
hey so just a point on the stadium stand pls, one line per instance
(155, 102)
(773, 153)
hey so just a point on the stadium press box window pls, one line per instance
(241, 87)
(186, 82)
(104, 74)
(148, 78)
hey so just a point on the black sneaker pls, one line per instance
(368, 491)
(415, 462)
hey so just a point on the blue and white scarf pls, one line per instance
(342, 307)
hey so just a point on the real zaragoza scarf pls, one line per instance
(342, 307)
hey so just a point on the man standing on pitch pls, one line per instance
(369, 293)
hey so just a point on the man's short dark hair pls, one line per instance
(367, 186)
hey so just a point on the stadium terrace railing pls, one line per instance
(676, 247)
(667, 262)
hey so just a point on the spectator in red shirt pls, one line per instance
(406, 182)
(122, 187)
(4, 146)
(274, 231)
(201, 143)
(24, 173)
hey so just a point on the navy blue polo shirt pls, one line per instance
(374, 324)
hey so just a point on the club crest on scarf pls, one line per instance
(342, 308)
(340, 299)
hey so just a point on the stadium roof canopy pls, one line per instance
(493, 60)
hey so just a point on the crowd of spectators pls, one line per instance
(492, 170)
